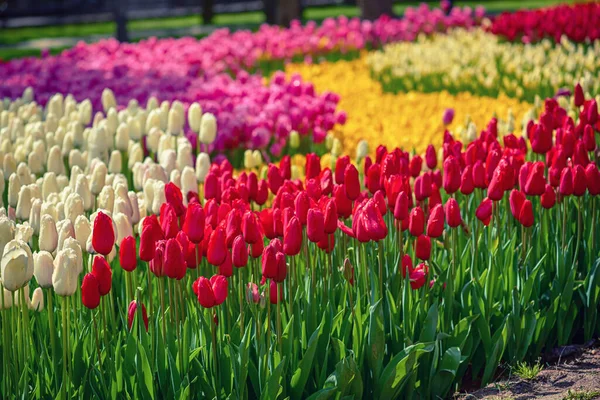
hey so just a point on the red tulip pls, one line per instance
(217, 247)
(174, 265)
(301, 205)
(430, 157)
(466, 181)
(313, 189)
(131, 311)
(373, 178)
(269, 261)
(589, 138)
(566, 182)
(401, 207)
(516, 200)
(422, 187)
(274, 290)
(262, 193)
(479, 175)
(252, 295)
(274, 178)
(212, 189)
(373, 220)
(103, 274)
(292, 238)
(536, 182)
(151, 232)
(257, 248)
(156, 264)
(174, 198)
(342, 202)
(451, 175)
(496, 187)
(193, 255)
(194, 222)
(239, 252)
(579, 181)
(592, 175)
(251, 228)
(340, 168)
(103, 234)
(592, 112)
(548, 198)
(168, 221)
(415, 165)
(526, 215)
(423, 247)
(406, 265)
(330, 217)
(313, 166)
(327, 244)
(226, 268)
(416, 221)
(127, 254)
(578, 96)
(453, 213)
(285, 166)
(315, 227)
(211, 292)
(484, 211)
(326, 181)
(351, 182)
(418, 277)
(90, 292)
(435, 222)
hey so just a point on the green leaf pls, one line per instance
(376, 339)
(273, 387)
(430, 325)
(306, 364)
(399, 370)
(145, 380)
(446, 373)
(499, 341)
(79, 367)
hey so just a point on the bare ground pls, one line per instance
(570, 373)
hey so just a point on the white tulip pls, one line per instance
(7, 232)
(24, 232)
(202, 166)
(37, 300)
(14, 188)
(72, 243)
(48, 234)
(55, 162)
(115, 163)
(35, 215)
(106, 198)
(24, 203)
(43, 268)
(189, 182)
(122, 138)
(208, 128)
(174, 122)
(9, 164)
(108, 100)
(124, 227)
(65, 230)
(159, 196)
(175, 178)
(48, 208)
(83, 230)
(50, 185)
(98, 178)
(64, 276)
(194, 117)
(17, 265)
(74, 206)
(6, 301)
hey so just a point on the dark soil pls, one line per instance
(570, 373)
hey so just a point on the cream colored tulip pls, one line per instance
(37, 300)
(208, 128)
(43, 268)
(17, 265)
(48, 234)
(202, 166)
(64, 276)
(194, 117)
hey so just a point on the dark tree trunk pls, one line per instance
(373, 9)
(270, 11)
(208, 11)
(120, 10)
(287, 11)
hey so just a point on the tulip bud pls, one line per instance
(195, 117)
(132, 311)
(202, 166)
(48, 234)
(17, 265)
(351, 182)
(217, 247)
(362, 150)
(37, 300)
(35, 215)
(103, 235)
(103, 274)
(43, 268)
(484, 211)
(90, 291)
(252, 295)
(423, 247)
(526, 214)
(453, 213)
(416, 221)
(208, 128)
(315, 227)
(14, 188)
(294, 140)
(55, 162)
(108, 100)
(211, 292)
(23, 203)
